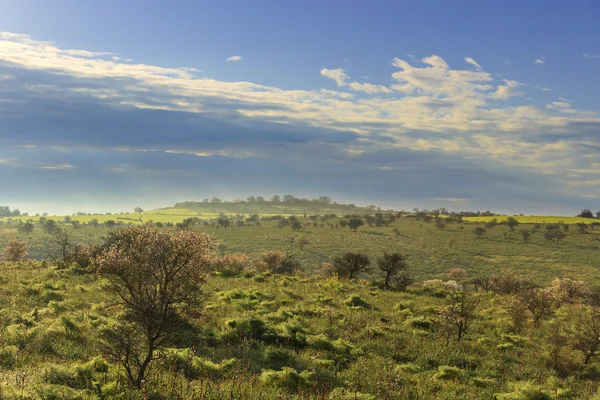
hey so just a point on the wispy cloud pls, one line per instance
(234, 59)
(540, 60)
(590, 56)
(474, 63)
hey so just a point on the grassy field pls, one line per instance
(307, 336)
(431, 251)
(536, 219)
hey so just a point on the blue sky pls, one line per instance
(466, 105)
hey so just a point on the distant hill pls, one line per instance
(277, 205)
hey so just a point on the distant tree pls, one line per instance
(63, 243)
(440, 224)
(370, 220)
(296, 225)
(325, 200)
(288, 198)
(585, 213)
(553, 232)
(350, 264)
(343, 223)
(50, 226)
(251, 199)
(526, 235)
(67, 220)
(93, 222)
(25, 227)
(393, 265)
(76, 224)
(16, 250)
(511, 222)
(598, 214)
(582, 227)
(260, 199)
(276, 199)
(110, 223)
(355, 223)
(479, 231)
(138, 210)
(156, 278)
(216, 200)
(223, 222)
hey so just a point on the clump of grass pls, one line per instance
(287, 378)
(446, 372)
(345, 394)
(524, 391)
(420, 323)
(356, 302)
(8, 356)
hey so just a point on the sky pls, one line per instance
(467, 105)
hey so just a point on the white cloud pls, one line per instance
(338, 75)
(539, 61)
(590, 56)
(457, 108)
(234, 59)
(342, 79)
(474, 63)
(507, 90)
(454, 200)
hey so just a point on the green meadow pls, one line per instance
(264, 333)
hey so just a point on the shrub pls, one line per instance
(277, 262)
(287, 378)
(350, 264)
(420, 323)
(479, 231)
(277, 357)
(8, 356)
(355, 301)
(16, 250)
(230, 264)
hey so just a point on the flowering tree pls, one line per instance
(16, 250)
(458, 315)
(156, 278)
